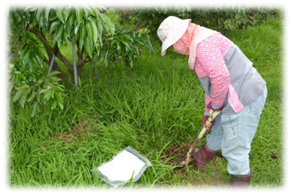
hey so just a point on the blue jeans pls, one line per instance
(233, 134)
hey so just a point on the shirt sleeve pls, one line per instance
(211, 59)
(207, 101)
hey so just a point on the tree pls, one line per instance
(87, 28)
(55, 27)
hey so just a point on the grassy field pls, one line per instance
(157, 108)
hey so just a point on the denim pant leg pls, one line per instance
(238, 132)
(214, 138)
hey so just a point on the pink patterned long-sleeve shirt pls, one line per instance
(209, 62)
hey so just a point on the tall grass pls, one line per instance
(155, 108)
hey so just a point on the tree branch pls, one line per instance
(49, 50)
(54, 50)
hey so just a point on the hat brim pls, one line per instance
(169, 42)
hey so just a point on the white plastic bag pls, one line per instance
(127, 164)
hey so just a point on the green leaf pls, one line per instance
(52, 16)
(82, 32)
(86, 12)
(43, 23)
(55, 80)
(60, 15)
(89, 10)
(105, 26)
(10, 86)
(79, 14)
(39, 82)
(127, 37)
(67, 13)
(89, 29)
(12, 17)
(67, 32)
(17, 95)
(38, 97)
(95, 32)
(23, 86)
(23, 49)
(35, 108)
(118, 46)
(98, 47)
(47, 12)
(108, 25)
(102, 17)
(53, 73)
(54, 40)
(76, 29)
(126, 44)
(53, 26)
(39, 60)
(59, 31)
(38, 13)
(59, 42)
(31, 97)
(48, 95)
(25, 58)
(24, 96)
(88, 46)
(81, 43)
(54, 105)
(71, 19)
(60, 104)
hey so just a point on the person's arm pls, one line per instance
(207, 102)
(211, 59)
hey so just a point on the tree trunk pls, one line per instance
(55, 50)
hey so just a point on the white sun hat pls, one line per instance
(171, 30)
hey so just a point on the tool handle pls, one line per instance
(212, 115)
(195, 144)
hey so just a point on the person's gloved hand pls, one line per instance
(209, 125)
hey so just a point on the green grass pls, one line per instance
(154, 108)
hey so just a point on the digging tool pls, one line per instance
(212, 115)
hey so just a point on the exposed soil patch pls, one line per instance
(274, 156)
(204, 178)
(175, 150)
(79, 129)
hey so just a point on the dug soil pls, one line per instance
(191, 176)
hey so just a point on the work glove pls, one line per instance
(209, 125)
